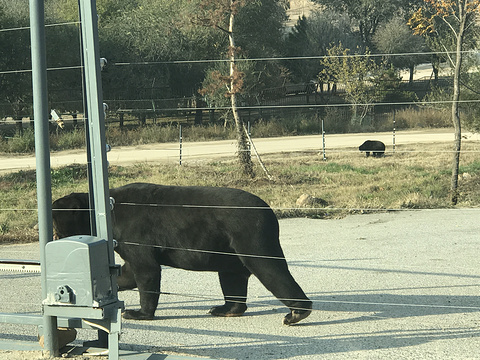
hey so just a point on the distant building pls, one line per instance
(299, 8)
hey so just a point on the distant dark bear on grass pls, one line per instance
(376, 147)
(224, 230)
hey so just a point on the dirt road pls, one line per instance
(196, 151)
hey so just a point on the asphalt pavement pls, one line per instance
(393, 285)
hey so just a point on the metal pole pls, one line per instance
(323, 142)
(394, 129)
(42, 153)
(249, 132)
(181, 141)
(96, 122)
(91, 200)
(98, 155)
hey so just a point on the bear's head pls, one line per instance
(70, 215)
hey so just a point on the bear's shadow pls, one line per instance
(376, 307)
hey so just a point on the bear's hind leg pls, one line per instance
(234, 288)
(276, 277)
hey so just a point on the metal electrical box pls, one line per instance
(78, 273)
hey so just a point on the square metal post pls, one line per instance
(97, 152)
(96, 121)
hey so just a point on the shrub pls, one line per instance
(208, 132)
(422, 117)
(68, 140)
(298, 122)
(20, 143)
(337, 119)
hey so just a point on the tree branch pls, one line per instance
(450, 26)
(224, 30)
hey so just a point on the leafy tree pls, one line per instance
(312, 36)
(15, 80)
(64, 58)
(367, 14)
(136, 32)
(259, 33)
(395, 37)
(355, 72)
(387, 84)
(107, 10)
(151, 38)
(453, 21)
(260, 28)
(298, 44)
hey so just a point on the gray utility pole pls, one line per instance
(42, 153)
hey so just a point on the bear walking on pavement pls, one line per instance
(228, 231)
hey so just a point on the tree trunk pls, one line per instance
(19, 125)
(455, 109)
(242, 143)
(435, 68)
(412, 72)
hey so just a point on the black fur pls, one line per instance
(213, 221)
(376, 147)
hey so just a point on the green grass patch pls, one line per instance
(347, 183)
(472, 168)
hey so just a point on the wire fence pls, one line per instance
(397, 302)
(314, 99)
(395, 267)
(190, 108)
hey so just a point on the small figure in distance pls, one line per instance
(376, 147)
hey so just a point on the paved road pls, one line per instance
(397, 285)
(195, 151)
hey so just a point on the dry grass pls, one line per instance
(424, 117)
(417, 177)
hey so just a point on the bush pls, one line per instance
(337, 119)
(208, 132)
(263, 128)
(422, 117)
(68, 140)
(141, 135)
(20, 143)
(299, 123)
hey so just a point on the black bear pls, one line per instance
(376, 147)
(225, 230)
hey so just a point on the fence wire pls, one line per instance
(191, 295)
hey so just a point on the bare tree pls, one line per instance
(449, 19)
(221, 15)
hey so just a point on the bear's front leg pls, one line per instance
(234, 288)
(126, 281)
(148, 283)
